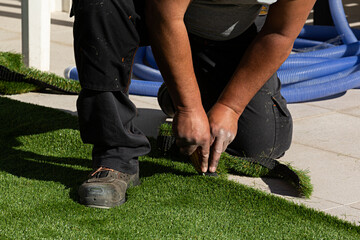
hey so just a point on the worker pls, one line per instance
(221, 86)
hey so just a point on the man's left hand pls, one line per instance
(223, 123)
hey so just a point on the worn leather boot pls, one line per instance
(106, 188)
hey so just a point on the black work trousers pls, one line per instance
(107, 34)
(265, 126)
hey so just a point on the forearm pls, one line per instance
(259, 63)
(266, 54)
(171, 47)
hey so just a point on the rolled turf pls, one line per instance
(29, 79)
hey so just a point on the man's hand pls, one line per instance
(191, 128)
(171, 47)
(223, 123)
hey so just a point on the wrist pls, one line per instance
(186, 98)
(190, 108)
(235, 112)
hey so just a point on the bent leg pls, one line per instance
(106, 36)
(106, 121)
(265, 126)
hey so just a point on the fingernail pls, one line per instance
(209, 174)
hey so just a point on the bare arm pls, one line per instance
(269, 50)
(170, 43)
(172, 52)
(262, 59)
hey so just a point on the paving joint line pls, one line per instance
(326, 150)
(330, 109)
(313, 116)
(341, 205)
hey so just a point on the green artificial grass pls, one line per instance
(34, 79)
(11, 88)
(165, 129)
(241, 166)
(14, 63)
(43, 162)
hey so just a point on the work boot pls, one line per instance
(106, 188)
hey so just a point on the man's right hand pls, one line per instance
(171, 47)
(192, 131)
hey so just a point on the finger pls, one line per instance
(216, 150)
(230, 137)
(185, 147)
(212, 140)
(205, 152)
(188, 150)
(226, 143)
(196, 160)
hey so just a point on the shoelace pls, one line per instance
(101, 169)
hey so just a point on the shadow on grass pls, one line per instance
(20, 119)
(149, 169)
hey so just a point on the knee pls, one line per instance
(267, 144)
(264, 136)
(165, 101)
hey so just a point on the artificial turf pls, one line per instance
(238, 165)
(14, 63)
(43, 161)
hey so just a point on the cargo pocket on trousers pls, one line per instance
(283, 126)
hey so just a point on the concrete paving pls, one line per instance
(326, 133)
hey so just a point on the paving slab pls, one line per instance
(302, 111)
(62, 102)
(355, 111)
(145, 102)
(334, 176)
(346, 213)
(350, 100)
(9, 45)
(315, 203)
(336, 132)
(355, 205)
(10, 26)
